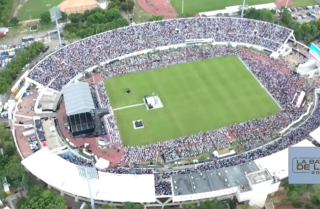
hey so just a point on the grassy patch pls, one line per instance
(140, 15)
(32, 9)
(25, 29)
(302, 3)
(197, 96)
(192, 6)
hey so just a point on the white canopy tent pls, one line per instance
(102, 164)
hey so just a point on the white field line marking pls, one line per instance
(125, 107)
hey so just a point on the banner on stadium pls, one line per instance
(304, 165)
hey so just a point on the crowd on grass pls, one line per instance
(58, 69)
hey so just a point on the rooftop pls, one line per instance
(259, 177)
(186, 184)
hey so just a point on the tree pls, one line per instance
(14, 21)
(43, 198)
(292, 195)
(45, 18)
(189, 206)
(315, 194)
(3, 195)
(12, 70)
(9, 148)
(263, 14)
(209, 204)
(14, 172)
(108, 207)
(6, 7)
(247, 207)
(130, 205)
(156, 17)
(94, 21)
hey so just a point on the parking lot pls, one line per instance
(304, 14)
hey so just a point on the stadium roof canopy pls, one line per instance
(212, 183)
(280, 168)
(68, 178)
(316, 134)
(77, 98)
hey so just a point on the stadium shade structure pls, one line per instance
(316, 135)
(65, 177)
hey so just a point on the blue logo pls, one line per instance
(304, 165)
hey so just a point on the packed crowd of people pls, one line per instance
(281, 84)
(58, 69)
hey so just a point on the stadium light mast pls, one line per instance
(88, 174)
(242, 9)
(55, 15)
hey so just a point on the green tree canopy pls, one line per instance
(263, 14)
(45, 18)
(156, 17)
(130, 205)
(108, 207)
(38, 197)
(247, 207)
(94, 21)
(14, 21)
(209, 204)
(6, 7)
(315, 194)
(12, 70)
(189, 206)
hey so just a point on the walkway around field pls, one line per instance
(125, 107)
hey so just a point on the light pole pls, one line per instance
(242, 9)
(88, 174)
(55, 15)
(182, 7)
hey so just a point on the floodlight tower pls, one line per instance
(242, 9)
(55, 15)
(88, 173)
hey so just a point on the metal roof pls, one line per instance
(77, 98)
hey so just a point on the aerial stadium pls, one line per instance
(127, 115)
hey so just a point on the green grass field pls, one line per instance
(193, 7)
(32, 9)
(197, 96)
